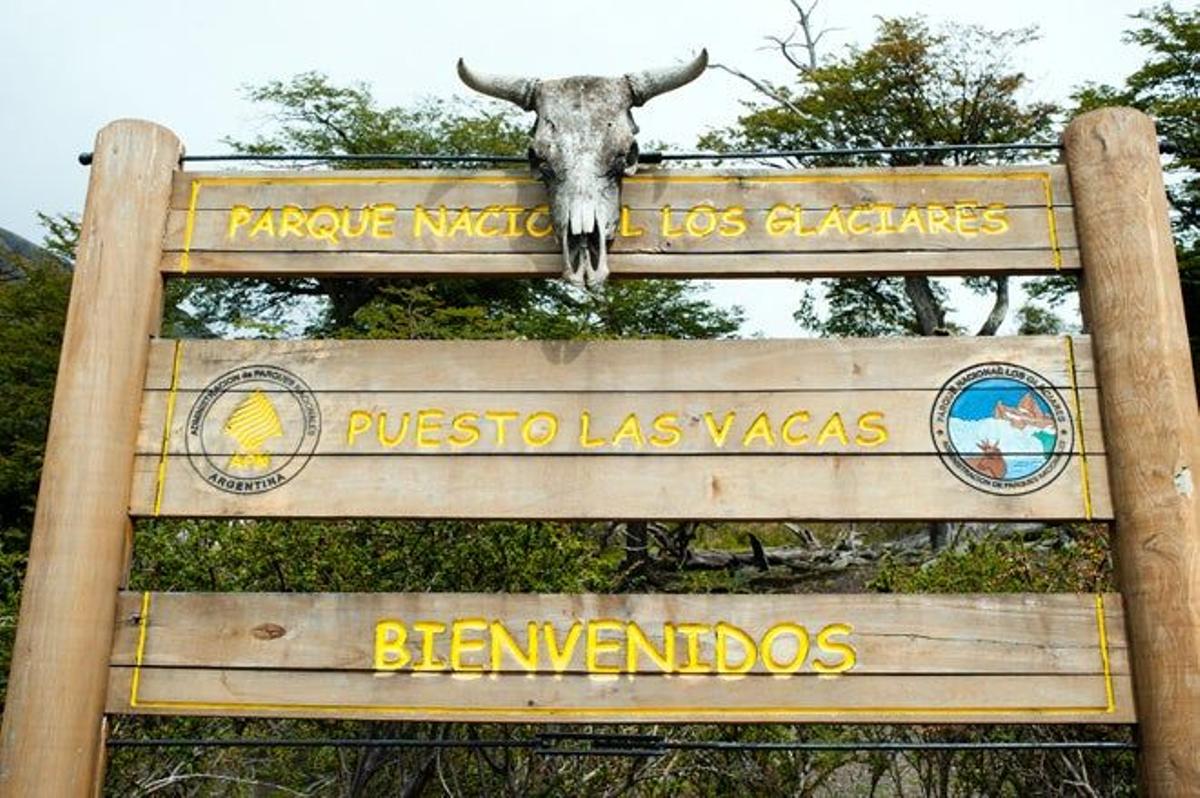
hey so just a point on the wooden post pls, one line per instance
(59, 675)
(1131, 300)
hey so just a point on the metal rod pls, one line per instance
(85, 158)
(843, 151)
(897, 745)
(640, 745)
(315, 742)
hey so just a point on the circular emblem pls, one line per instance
(252, 429)
(1002, 428)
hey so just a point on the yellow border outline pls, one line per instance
(143, 624)
(161, 479)
(1056, 258)
(1085, 482)
(185, 260)
(1109, 707)
(1102, 629)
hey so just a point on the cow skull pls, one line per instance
(582, 144)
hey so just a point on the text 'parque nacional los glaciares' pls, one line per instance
(234, 224)
(383, 221)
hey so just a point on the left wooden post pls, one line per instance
(50, 741)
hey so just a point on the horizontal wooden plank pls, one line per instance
(944, 659)
(1012, 185)
(622, 266)
(970, 428)
(878, 699)
(713, 487)
(801, 364)
(1010, 220)
(914, 634)
(653, 231)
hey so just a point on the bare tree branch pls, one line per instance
(783, 45)
(810, 44)
(762, 87)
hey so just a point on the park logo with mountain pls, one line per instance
(1002, 428)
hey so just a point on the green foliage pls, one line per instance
(912, 86)
(32, 312)
(867, 306)
(1035, 320)
(1077, 560)
(62, 234)
(636, 309)
(12, 571)
(376, 556)
(311, 115)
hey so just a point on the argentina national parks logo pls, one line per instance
(1002, 428)
(252, 429)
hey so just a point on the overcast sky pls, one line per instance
(70, 67)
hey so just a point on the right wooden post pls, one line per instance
(1132, 303)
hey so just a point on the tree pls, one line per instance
(32, 311)
(311, 115)
(1167, 87)
(912, 87)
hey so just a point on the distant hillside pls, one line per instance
(13, 248)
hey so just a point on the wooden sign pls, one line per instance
(959, 428)
(682, 223)
(834, 429)
(629, 658)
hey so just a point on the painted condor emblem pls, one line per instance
(252, 429)
(1002, 428)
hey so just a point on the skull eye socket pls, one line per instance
(539, 164)
(626, 164)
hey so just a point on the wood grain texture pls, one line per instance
(703, 487)
(801, 364)
(1036, 236)
(58, 678)
(626, 266)
(1132, 302)
(1018, 186)
(753, 430)
(1006, 658)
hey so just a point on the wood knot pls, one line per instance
(268, 631)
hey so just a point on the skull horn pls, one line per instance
(516, 90)
(649, 83)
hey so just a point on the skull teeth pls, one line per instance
(585, 246)
(585, 257)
